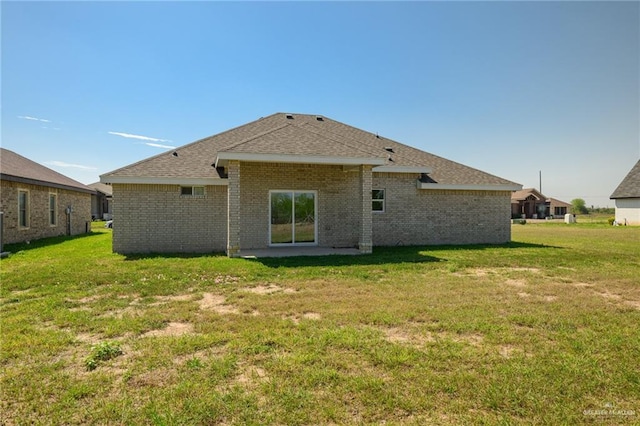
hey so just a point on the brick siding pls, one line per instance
(156, 218)
(338, 199)
(417, 216)
(39, 226)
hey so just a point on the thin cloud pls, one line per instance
(26, 117)
(157, 145)
(142, 138)
(68, 165)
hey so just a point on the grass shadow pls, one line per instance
(46, 242)
(386, 255)
(155, 255)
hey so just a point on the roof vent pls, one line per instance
(175, 153)
(289, 116)
(389, 149)
(319, 118)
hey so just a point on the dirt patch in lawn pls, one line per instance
(269, 289)
(410, 337)
(216, 302)
(172, 329)
(161, 300)
(482, 272)
(314, 316)
(251, 376)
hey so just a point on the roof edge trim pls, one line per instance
(402, 169)
(224, 157)
(470, 187)
(150, 180)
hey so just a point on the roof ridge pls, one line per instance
(357, 148)
(249, 139)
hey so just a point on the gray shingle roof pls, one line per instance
(15, 167)
(301, 134)
(630, 185)
(102, 187)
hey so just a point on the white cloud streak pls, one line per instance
(157, 145)
(26, 117)
(142, 138)
(68, 165)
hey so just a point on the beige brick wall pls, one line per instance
(39, 226)
(156, 218)
(416, 216)
(338, 199)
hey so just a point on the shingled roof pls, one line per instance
(15, 167)
(630, 185)
(285, 137)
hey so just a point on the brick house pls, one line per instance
(303, 180)
(627, 198)
(102, 201)
(37, 202)
(532, 204)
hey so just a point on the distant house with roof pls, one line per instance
(627, 197)
(37, 202)
(530, 203)
(102, 201)
(292, 180)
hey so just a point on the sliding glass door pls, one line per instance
(292, 217)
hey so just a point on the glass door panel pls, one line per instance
(281, 218)
(305, 212)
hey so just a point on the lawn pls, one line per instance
(544, 330)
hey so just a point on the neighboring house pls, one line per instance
(627, 198)
(530, 203)
(102, 201)
(38, 202)
(303, 180)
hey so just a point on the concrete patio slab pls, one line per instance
(296, 251)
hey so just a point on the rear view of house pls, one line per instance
(303, 180)
(627, 198)
(38, 202)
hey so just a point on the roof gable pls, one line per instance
(15, 167)
(630, 185)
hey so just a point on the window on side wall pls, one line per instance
(23, 209)
(192, 191)
(377, 200)
(53, 209)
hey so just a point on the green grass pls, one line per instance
(538, 331)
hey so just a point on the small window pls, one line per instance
(23, 209)
(377, 200)
(192, 191)
(53, 209)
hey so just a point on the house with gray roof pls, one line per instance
(627, 198)
(296, 180)
(102, 201)
(37, 202)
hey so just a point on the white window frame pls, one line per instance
(315, 212)
(194, 190)
(382, 200)
(55, 209)
(27, 209)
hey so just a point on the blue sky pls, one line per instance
(511, 88)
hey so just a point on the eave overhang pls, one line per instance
(469, 187)
(402, 169)
(224, 157)
(150, 180)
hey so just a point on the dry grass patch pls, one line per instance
(216, 302)
(172, 329)
(269, 289)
